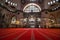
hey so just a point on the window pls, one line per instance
(57, 0)
(32, 7)
(48, 3)
(13, 21)
(51, 2)
(25, 20)
(32, 0)
(54, 1)
(6, 0)
(32, 19)
(38, 19)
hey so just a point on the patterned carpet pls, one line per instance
(29, 34)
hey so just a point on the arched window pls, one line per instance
(32, 0)
(13, 21)
(32, 7)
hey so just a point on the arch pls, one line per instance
(31, 6)
(13, 20)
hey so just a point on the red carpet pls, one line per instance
(29, 34)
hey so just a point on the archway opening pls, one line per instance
(32, 12)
